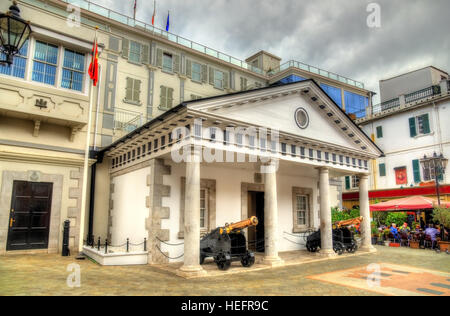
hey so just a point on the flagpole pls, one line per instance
(86, 163)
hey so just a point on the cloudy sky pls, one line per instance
(330, 34)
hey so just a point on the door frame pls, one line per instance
(13, 207)
(8, 178)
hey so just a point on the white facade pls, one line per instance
(143, 165)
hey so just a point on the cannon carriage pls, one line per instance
(228, 244)
(343, 238)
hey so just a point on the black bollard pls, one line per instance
(65, 247)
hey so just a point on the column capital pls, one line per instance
(364, 176)
(323, 169)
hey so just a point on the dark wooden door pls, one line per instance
(256, 234)
(29, 222)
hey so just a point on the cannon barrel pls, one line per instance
(253, 221)
(349, 222)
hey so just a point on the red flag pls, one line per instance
(154, 13)
(135, 7)
(93, 67)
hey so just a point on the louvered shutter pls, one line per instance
(137, 90)
(145, 59)
(176, 63)
(188, 68)
(416, 171)
(347, 183)
(159, 57)
(226, 80)
(211, 75)
(426, 124)
(412, 127)
(129, 89)
(204, 73)
(169, 98)
(125, 48)
(163, 97)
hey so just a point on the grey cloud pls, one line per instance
(330, 34)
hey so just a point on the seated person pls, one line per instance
(405, 229)
(432, 232)
(394, 231)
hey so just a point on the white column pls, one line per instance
(326, 231)
(271, 219)
(365, 213)
(192, 265)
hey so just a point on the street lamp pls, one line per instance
(14, 32)
(438, 164)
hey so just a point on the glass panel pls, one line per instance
(118, 17)
(211, 52)
(184, 42)
(198, 47)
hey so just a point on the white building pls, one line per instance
(413, 120)
(156, 197)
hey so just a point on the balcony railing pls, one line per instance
(318, 71)
(422, 94)
(121, 18)
(127, 121)
(409, 98)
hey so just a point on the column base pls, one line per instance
(188, 272)
(273, 261)
(326, 253)
(369, 248)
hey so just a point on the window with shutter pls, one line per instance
(168, 62)
(420, 125)
(133, 91)
(243, 84)
(219, 79)
(125, 48)
(135, 52)
(169, 98)
(196, 72)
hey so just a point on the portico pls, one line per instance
(202, 159)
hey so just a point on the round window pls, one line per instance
(302, 118)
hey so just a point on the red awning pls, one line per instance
(408, 204)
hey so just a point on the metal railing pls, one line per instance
(409, 98)
(316, 70)
(422, 94)
(127, 121)
(121, 18)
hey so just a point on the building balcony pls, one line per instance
(43, 105)
(406, 101)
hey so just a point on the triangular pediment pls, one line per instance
(278, 108)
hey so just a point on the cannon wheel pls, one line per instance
(353, 248)
(312, 248)
(338, 248)
(223, 261)
(248, 260)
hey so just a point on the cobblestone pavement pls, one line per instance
(47, 274)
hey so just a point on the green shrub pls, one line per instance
(396, 218)
(441, 216)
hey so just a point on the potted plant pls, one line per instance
(442, 216)
(375, 233)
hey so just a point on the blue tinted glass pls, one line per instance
(72, 80)
(291, 78)
(44, 73)
(356, 104)
(46, 52)
(68, 58)
(17, 69)
(334, 93)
